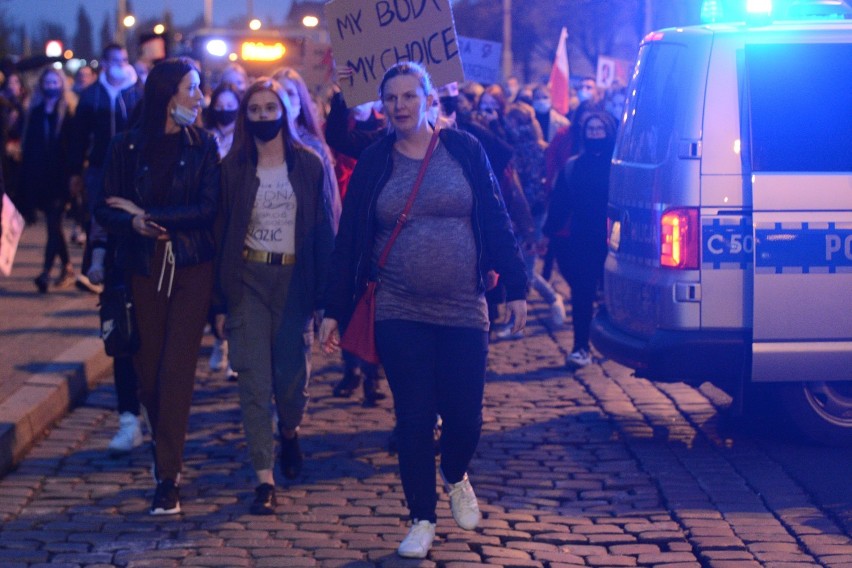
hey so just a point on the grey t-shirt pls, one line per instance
(430, 275)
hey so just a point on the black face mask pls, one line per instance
(224, 117)
(449, 104)
(52, 93)
(265, 130)
(598, 145)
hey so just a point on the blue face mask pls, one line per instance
(542, 106)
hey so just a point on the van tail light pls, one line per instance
(679, 237)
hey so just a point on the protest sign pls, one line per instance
(316, 66)
(611, 71)
(369, 36)
(13, 226)
(481, 59)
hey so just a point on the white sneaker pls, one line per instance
(219, 356)
(231, 374)
(504, 331)
(129, 434)
(557, 311)
(463, 504)
(418, 541)
(579, 359)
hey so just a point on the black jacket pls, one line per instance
(344, 135)
(191, 205)
(351, 264)
(93, 128)
(44, 171)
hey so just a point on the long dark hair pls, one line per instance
(244, 147)
(209, 123)
(160, 87)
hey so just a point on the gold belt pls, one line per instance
(263, 257)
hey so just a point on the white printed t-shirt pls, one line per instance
(273, 219)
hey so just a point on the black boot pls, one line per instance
(372, 394)
(347, 385)
(291, 457)
(41, 282)
(393, 441)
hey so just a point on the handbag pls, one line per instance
(118, 322)
(360, 335)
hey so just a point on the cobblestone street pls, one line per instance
(595, 468)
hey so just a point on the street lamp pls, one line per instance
(53, 48)
(129, 21)
(159, 29)
(254, 24)
(310, 21)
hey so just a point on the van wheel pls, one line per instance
(821, 411)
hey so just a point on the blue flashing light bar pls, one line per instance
(763, 11)
(762, 7)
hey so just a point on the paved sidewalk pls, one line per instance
(50, 352)
(589, 469)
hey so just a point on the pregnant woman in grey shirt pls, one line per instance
(431, 315)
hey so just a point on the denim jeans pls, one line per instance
(433, 369)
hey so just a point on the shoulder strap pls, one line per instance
(403, 217)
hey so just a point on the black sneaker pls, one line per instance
(347, 385)
(166, 498)
(264, 500)
(41, 282)
(291, 457)
(372, 394)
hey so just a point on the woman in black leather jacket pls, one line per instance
(161, 191)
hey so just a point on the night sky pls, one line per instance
(31, 12)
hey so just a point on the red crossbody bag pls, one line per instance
(360, 336)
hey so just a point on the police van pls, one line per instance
(730, 216)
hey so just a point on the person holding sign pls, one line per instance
(431, 315)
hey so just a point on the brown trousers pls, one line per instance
(170, 329)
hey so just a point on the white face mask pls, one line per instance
(585, 95)
(117, 74)
(184, 116)
(542, 106)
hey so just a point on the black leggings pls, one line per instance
(56, 245)
(581, 264)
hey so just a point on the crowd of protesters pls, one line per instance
(219, 204)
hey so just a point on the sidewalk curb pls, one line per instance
(48, 396)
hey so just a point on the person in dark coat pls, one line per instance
(105, 108)
(576, 224)
(44, 171)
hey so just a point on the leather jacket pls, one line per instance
(191, 205)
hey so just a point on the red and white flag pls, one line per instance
(559, 90)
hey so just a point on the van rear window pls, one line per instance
(799, 97)
(649, 131)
